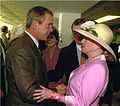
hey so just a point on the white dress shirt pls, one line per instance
(78, 52)
(33, 38)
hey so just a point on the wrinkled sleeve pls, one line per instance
(22, 66)
(90, 87)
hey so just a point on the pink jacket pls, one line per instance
(87, 83)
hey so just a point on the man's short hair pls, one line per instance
(37, 13)
(78, 21)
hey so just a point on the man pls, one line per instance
(26, 70)
(3, 36)
(2, 74)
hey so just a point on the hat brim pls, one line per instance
(97, 40)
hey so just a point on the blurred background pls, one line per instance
(13, 13)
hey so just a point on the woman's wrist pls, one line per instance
(57, 97)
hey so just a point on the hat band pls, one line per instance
(90, 30)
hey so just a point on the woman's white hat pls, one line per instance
(100, 33)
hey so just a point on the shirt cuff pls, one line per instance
(68, 99)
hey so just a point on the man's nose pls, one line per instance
(51, 28)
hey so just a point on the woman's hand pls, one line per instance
(42, 94)
(61, 89)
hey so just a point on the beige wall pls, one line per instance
(66, 22)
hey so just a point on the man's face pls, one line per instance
(77, 37)
(43, 29)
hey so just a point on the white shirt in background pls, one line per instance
(78, 52)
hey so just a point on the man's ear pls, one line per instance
(34, 24)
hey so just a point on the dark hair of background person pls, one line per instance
(55, 33)
(4, 29)
(37, 13)
(78, 21)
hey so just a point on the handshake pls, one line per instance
(53, 92)
(58, 87)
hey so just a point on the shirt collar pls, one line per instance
(100, 57)
(33, 38)
(78, 47)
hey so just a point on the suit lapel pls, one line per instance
(74, 53)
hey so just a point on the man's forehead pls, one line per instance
(76, 27)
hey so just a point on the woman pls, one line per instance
(88, 82)
(51, 53)
(50, 56)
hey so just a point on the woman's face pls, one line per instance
(88, 46)
(51, 41)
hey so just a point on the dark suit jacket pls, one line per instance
(25, 71)
(67, 62)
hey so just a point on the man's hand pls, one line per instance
(42, 94)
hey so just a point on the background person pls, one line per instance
(50, 56)
(88, 82)
(4, 37)
(4, 43)
(2, 75)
